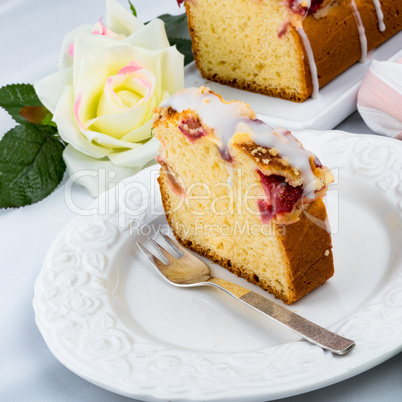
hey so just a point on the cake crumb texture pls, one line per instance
(255, 45)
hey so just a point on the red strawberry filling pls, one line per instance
(171, 178)
(192, 129)
(266, 211)
(281, 196)
(225, 154)
(315, 6)
(296, 7)
(317, 162)
(284, 29)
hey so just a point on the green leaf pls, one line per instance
(184, 47)
(31, 164)
(15, 96)
(132, 8)
(171, 21)
(37, 115)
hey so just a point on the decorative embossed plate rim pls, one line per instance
(75, 315)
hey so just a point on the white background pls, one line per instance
(31, 35)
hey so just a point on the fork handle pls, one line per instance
(301, 326)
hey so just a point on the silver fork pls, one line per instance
(181, 268)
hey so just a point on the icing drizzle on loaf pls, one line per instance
(306, 5)
(227, 118)
(361, 30)
(380, 15)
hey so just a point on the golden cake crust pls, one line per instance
(341, 47)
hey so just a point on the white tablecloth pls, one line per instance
(31, 34)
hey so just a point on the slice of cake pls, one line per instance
(242, 194)
(286, 48)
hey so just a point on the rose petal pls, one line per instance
(97, 175)
(91, 90)
(118, 125)
(68, 127)
(172, 62)
(106, 140)
(119, 23)
(87, 48)
(141, 133)
(50, 88)
(167, 66)
(106, 64)
(65, 59)
(126, 91)
(120, 20)
(87, 99)
(152, 36)
(100, 29)
(137, 157)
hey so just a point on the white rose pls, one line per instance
(119, 24)
(103, 104)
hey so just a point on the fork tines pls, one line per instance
(161, 253)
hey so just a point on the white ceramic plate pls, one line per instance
(107, 316)
(336, 102)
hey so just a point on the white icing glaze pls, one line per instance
(302, 3)
(222, 117)
(380, 15)
(311, 62)
(361, 30)
(228, 118)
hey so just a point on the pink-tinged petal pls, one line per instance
(131, 88)
(77, 104)
(99, 28)
(110, 94)
(109, 90)
(104, 30)
(149, 86)
(68, 127)
(132, 67)
(71, 49)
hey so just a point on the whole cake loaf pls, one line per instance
(242, 194)
(286, 48)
